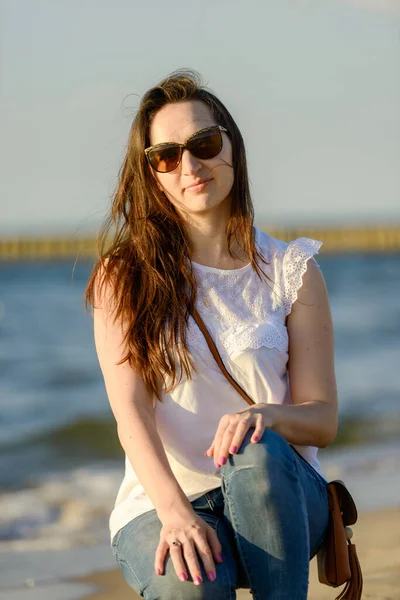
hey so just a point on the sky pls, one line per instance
(314, 86)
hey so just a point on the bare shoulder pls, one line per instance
(313, 291)
(311, 342)
(104, 286)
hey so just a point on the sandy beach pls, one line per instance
(376, 535)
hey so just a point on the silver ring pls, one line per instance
(176, 543)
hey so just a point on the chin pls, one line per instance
(201, 202)
(204, 203)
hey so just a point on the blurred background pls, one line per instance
(314, 86)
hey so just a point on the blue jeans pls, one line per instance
(270, 515)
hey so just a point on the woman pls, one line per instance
(217, 494)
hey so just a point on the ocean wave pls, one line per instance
(62, 510)
(63, 447)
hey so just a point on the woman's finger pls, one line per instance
(210, 450)
(259, 430)
(232, 433)
(215, 544)
(161, 553)
(192, 561)
(206, 556)
(224, 423)
(176, 554)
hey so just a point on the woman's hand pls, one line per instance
(194, 534)
(232, 429)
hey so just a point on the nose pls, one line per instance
(190, 164)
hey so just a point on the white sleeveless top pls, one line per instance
(246, 319)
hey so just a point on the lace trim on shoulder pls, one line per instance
(295, 259)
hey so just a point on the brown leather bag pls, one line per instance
(337, 558)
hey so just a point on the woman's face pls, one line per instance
(176, 123)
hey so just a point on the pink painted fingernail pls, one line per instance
(220, 557)
(183, 577)
(211, 576)
(222, 460)
(233, 449)
(256, 438)
(158, 572)
(197, 581)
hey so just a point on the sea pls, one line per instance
(60, 460)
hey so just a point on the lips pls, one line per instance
(197, 183)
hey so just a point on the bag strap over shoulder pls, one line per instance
(216, 355)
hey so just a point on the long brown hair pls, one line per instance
(146, 261)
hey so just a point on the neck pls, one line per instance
(209, 243)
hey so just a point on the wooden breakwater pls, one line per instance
(338, 239)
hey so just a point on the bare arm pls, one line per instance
(312, 418)
(133, 410)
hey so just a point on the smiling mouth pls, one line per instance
(198, 186)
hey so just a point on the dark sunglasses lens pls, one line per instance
(206, 145)
(165, 159)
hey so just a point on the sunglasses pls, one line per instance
(204, 144)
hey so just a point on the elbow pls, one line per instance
(326, 441)
(328, 434)
(122, 436)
